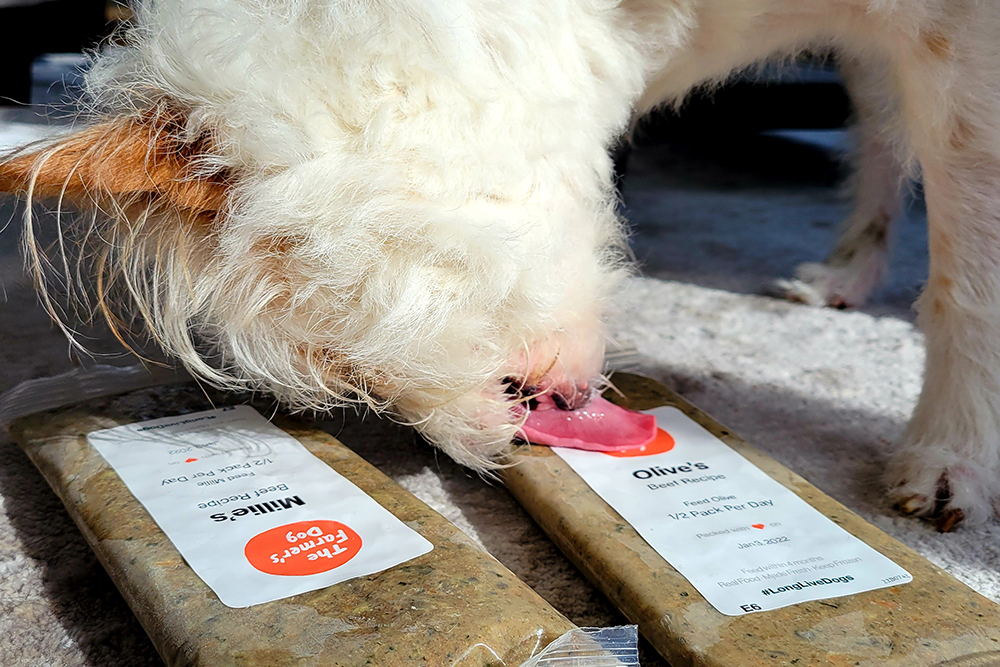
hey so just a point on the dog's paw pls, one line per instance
(837, 286)
(945, 494)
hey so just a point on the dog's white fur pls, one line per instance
(421, 201)
(859, 261)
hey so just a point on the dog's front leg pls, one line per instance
(947, 467)
(858, 262)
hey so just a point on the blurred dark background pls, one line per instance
(31, 29)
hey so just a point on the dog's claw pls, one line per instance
(942, 495)
(934, 508)
(949, 520)
(912, 505)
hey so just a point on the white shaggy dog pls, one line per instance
(409, 202)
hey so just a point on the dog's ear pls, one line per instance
(150, 193)
(118, 161)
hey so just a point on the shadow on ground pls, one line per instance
(78, 592)
(735, 212)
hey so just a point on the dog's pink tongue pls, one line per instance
(599, 427)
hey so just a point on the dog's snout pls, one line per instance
(523, 393)
(571, 397)
(575, 399)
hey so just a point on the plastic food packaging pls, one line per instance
(591, 647)
(455, 606)
(934, 620)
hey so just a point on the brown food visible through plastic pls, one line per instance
(455, 606)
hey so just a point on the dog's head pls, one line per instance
(343, 212)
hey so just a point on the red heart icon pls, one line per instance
(758, 526)
(189, 460)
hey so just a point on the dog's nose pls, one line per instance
(568, 397)
(574, 399)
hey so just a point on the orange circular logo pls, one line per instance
(302, 548)
(663, 442)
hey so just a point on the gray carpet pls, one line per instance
(826, 392)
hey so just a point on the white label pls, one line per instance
(254, 514)
(742, 539)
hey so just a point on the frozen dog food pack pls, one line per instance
(253, 512)
(745, 542)
(261, 513)
(725, 558)
(340, 565)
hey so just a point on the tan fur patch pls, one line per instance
(961, 134)
(275, 246)
(119, 159)
(942, 284)
(936, 42)
(941, 247)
